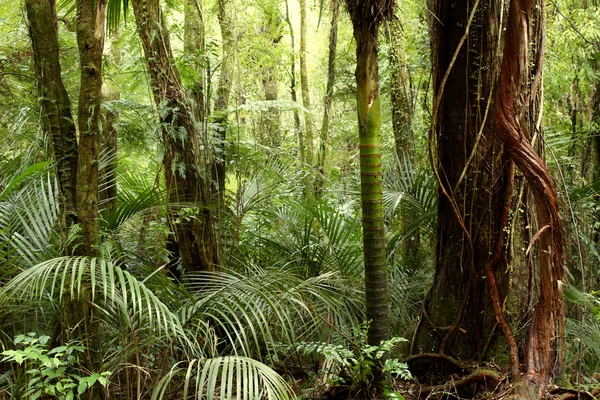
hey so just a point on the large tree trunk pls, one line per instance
(223, 94)
(186, 186)
(308, 120)
(366, 17)
(333, 37)
(54, 101)
(473, 174)
(514, 132)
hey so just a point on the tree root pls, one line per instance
(481, 375)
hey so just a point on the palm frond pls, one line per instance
(228, 378)
(244, 308)
(108, 283)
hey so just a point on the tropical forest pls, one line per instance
(299, 199)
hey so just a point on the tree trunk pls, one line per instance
(186, 186)
(402, 112)
(308, 120)
(194, 46)
(366, 17)
(54, 101)
(223, 93)
(271, 32)
(333, 37)
(473, 173)
(512, 131)
(301, 157)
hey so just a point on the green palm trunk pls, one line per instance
(367, 98)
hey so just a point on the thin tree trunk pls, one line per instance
(186, 186)
(301, 157)
(402, 107)
(402, 112)
(366, 17)
(308, 120)
(333, 37)
(194, 45)
(270, 123)
(54, 101)
(223, 94)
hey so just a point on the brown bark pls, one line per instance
(186, 186)
(509, 125)
(54, 99)
(472, 172)
(90, 40)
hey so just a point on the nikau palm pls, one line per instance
(366, 17)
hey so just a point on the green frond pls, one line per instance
(224, 378)
(243, 309)
(108, 283)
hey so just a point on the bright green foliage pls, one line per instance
(355, 361)
(51, 372)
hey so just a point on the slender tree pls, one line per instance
(185, 182)
(226, 24)
(293, 84)
(333, 38)
(308, 120)
(194, 45)
(91, 16)
(366, 17)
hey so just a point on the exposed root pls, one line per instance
(485, 376)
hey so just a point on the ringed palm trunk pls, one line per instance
(195, 237)
(366, 17)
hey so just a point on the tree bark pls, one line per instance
(293, 86)
(333, 37)
(308, 120)
(91, 17)
(186, 186)
(194, 46)
(223, 94)
(473, 174)
(54, 101)
(512, 131)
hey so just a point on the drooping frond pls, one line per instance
(244, 309)
(108, 283)
(224, 378)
